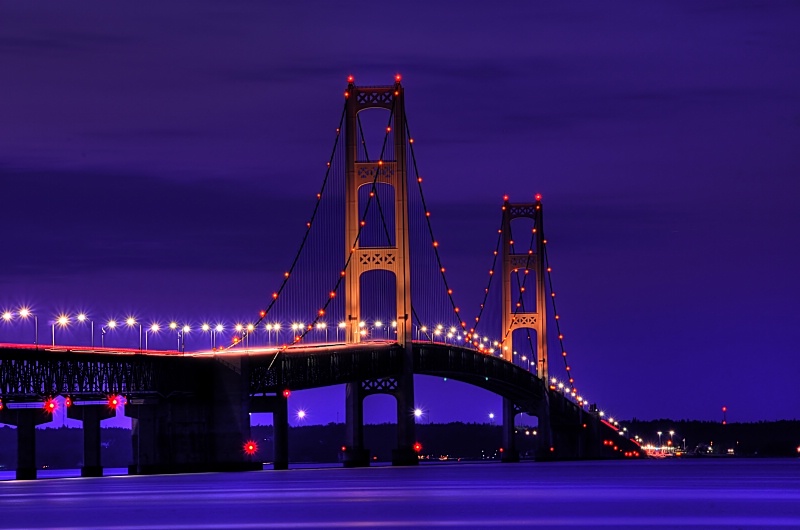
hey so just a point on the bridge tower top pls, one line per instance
(389, 168)
(516, 316)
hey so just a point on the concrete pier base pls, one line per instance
(26, 420)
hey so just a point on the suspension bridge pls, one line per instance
(190, 407)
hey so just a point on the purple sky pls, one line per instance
(163, 160)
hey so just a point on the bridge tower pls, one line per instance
(516, 316)
(391, 169)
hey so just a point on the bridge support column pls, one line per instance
(278, 406)
(280, 433)
(91, 416)
(145, 419)
(26, 421)
(405, 455)
(354, 455)
(510, 452)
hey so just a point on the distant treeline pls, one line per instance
(63, 447)
(764, 438)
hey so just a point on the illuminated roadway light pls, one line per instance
(81, 317)
(154, 328)
(63, 320)
(301, 414)
(130, 321)
(218, 328)
(362, 324)
(418, 413)
(112, 324)
(186, 329)
(239, 327)
(205, 327)
(173, 325)
(24, 312)
(7, 316)
(250, 327)
(394, 323)
(342, 325)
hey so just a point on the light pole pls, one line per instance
(341, 326)
(217, 330)
(276, 327)
(184, 330)
(323, 326)
(671, 433)
(174, 326)
(659, 439)
(131, 322)
(82, 319)
(207, 329)
(491, 418)
(153, 329)
(24, 313)
(62, 321)
(250, 329)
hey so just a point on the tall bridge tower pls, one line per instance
(389, 169)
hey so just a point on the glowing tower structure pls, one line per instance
(391, 170)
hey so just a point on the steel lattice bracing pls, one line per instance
(25, 374)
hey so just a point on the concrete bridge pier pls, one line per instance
(278, 406)
(354, 454)
(91, 416)
(26, 421)
(405, 455)
(510, 452)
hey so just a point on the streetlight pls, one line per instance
(184, 330)
(62, 321)
(111, 324)
(207, 329)
(24, 313)
(153, 329)
(250, 328)
(659, 438)
(671, 433)
(341, 326)
(323, 326)
(276, 327)
(378, 325)
(130, 321)
(82, 318)
(491, 417)
(174, 326)
(214, 332)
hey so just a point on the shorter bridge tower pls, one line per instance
(516, 316)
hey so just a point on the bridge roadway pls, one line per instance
(192, 409)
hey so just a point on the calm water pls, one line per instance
(736, 493)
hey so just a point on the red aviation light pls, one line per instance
(250, 447)
(287, 393)
(1, 405)
(417, 447)
(538, 196)
(67, 401)
(344, 448)
(50, 405)
(350, 78)
(114, 402)
(398, 78)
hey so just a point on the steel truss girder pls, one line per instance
(28, 375)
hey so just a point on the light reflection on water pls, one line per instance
(727, 493)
